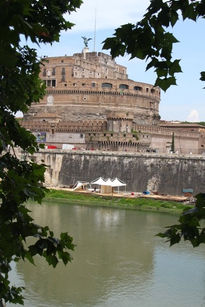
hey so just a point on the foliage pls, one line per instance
(39, 22)
(189, 227)
(151, 40)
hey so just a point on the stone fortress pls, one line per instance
(91, 104)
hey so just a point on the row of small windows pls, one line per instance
(125, 86)
(47, 72)
(104, 85)
(52, 82)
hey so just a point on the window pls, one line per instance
(137, 88)
(63, 78)
(106, 85)
(49, 83)
(93, 84)
(44, 72)
(63, 71)
(81, 135)
(123, 86)
(152, 91)
(53, 71)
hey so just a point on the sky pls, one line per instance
(184, 102)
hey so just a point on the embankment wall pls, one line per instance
(167, 174)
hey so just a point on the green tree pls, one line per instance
(150, 39)
(39, 22)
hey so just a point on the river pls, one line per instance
(118, 261)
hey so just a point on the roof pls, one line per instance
(109, 182)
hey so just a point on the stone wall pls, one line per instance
(167, 174)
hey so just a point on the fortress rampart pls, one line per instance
(87, 85)
(167, 174)
(90, 103)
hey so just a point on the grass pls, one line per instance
(74, 198)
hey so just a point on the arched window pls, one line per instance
(137, 88)
(123, 86)
(107, 85)
(152, 91)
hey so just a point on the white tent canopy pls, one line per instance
(79, 184)
(109, 182)
(99, 181)
(118, 183)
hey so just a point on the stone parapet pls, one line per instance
(166, 174)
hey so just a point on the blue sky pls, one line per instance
(182, 102)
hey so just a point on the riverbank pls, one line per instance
(97, 200)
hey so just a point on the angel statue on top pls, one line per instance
(86, 40)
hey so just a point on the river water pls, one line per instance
(118, 261)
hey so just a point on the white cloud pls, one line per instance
(109, 14)
(193, 116)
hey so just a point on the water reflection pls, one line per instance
(117, 262)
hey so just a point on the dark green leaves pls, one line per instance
(21, 178)
(189, 227)
(150, 40)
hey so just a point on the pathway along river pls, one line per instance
(118, 262)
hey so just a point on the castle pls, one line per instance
(90, 103)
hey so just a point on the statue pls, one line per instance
(86, 40)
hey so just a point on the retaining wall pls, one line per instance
(167, 174)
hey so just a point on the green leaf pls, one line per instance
(175, 67)
(165, 83)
